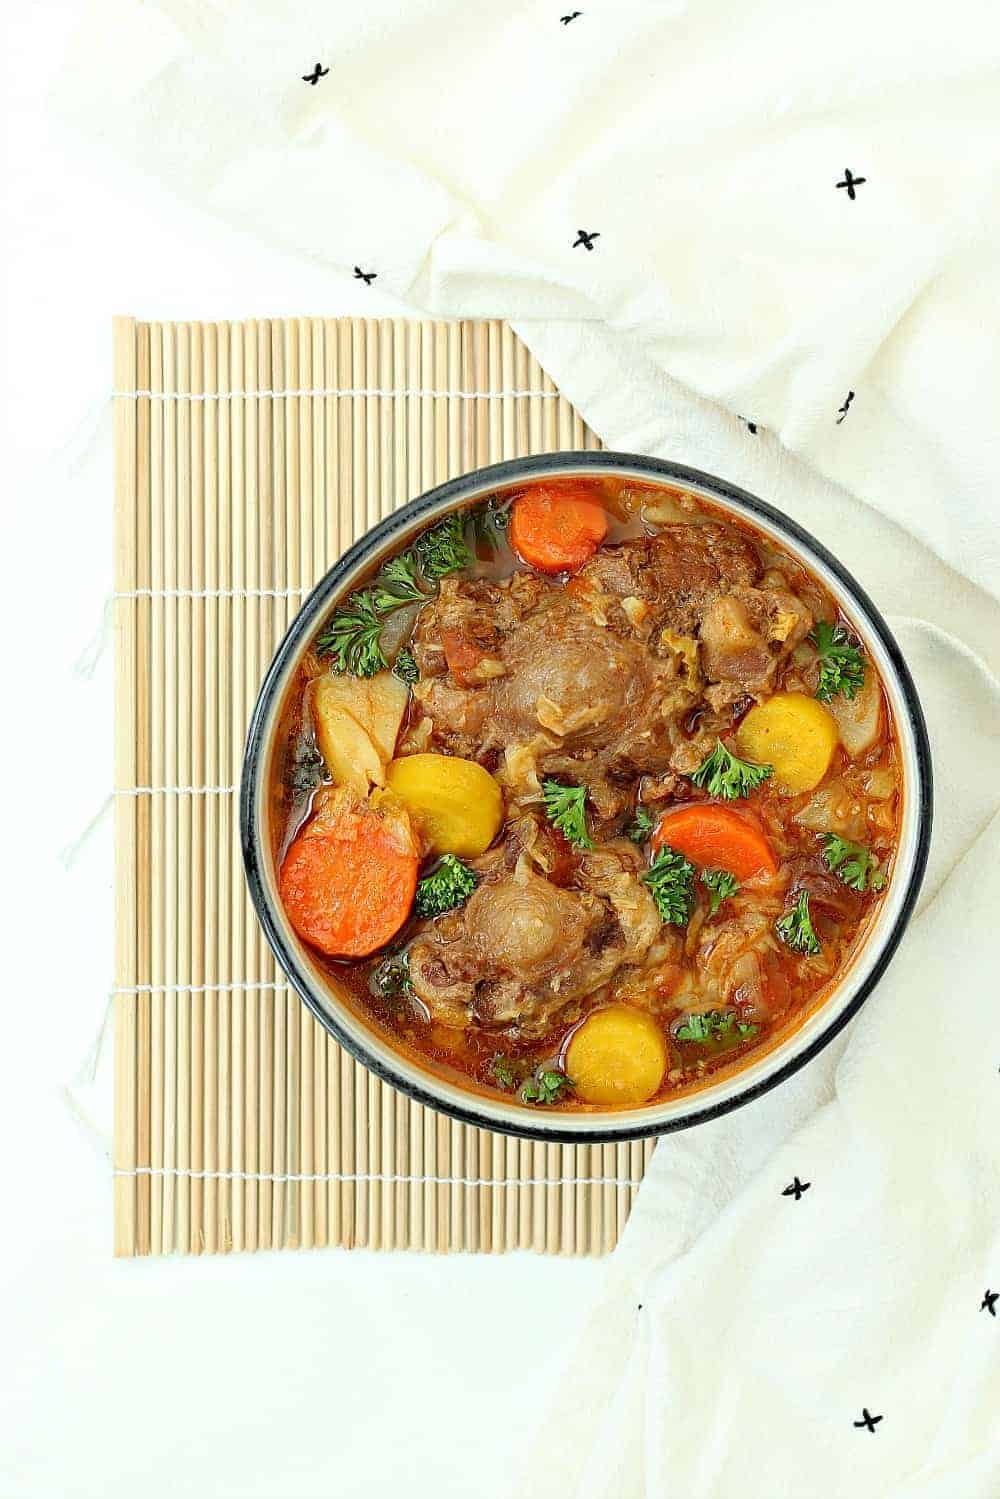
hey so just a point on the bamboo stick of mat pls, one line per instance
(247, 457)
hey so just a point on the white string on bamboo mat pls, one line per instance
(88, 659)
(173, 790)
(339, 1176)
(376, 1176)
(210, 593)
(71, 852)
(279, 987)
(360, 390)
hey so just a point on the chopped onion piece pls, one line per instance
(858, 718)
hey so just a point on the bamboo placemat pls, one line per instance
(247, 457)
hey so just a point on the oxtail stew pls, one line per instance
(587, 795)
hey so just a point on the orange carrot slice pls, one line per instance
(348, 880)
(557, 527)
(714, 837)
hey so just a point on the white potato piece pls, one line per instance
(387, 700)
(377, 703)
(858, 717)
(357, 721)
(350, 754)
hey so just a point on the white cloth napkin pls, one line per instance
(763, 241)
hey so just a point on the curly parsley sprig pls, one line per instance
(670, 878)
(353, 634)
(640, 827)
(795, 928)
(398, 583)
(852, 863)
(720, 885)
(443, 549)
(405, 666)
(841, 663)
(547, 1086)
(724, 774)
(566, 809)
(507, 1072)
(713, 1025)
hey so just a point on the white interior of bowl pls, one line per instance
(725, 1089)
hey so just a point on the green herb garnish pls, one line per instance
(723, 774)
(566, 809)
(720, 884)
(670, 878)
(852, 863)
(390, 978)
(506, 1072)
(547, 1086)
(841, 664)
(703, 1027)
(447, 886)
(795, 928)
(714, 1025)
(353, 636)
(709, 1025)
(397, 584)
(641, 826)
(405, 666)
(443, 549)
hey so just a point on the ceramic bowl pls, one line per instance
(764, 1070)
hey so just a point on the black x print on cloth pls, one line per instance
(796, 1188)
(565, 20)
(851, 182)
(586, 239)
(366, 276)
(843, 409)
(314, 77)
(867, 1419)
(750, 426)
(989, 1303)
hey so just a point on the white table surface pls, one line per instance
(291, 1374)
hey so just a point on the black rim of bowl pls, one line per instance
(375, 540)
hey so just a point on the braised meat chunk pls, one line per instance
(600, 679)
(678, 571)
(747, 633)
(569, 676)
(524, 950)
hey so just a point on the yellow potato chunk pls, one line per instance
(617, 1056)
(795, 734)
(457, 805)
